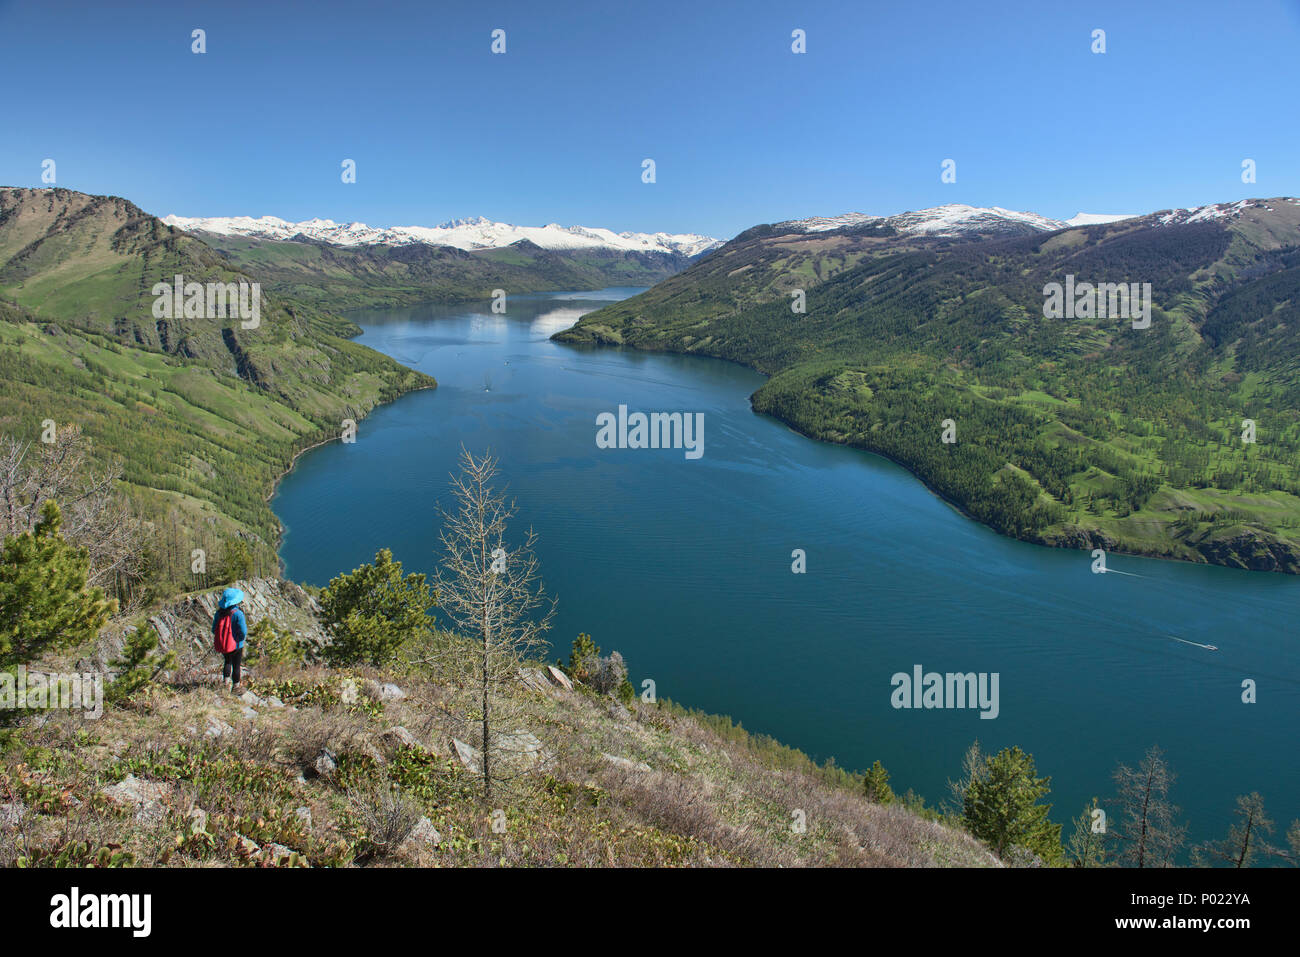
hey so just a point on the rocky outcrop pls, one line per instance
(187, 622)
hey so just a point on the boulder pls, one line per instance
(424, 833)
(146, 797)
(383, 692)
(216, 727)
(397, 737)
(469, 756)
(534, 680)
(303, 814)
(516, 750)
(559, 677)
(326, 763)
(627, 764)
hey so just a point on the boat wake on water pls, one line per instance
(1195, 643)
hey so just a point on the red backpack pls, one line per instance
(224, 639)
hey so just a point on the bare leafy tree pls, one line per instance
(95, 516)
(1246, 838)
(1147, 832)
(495, 600)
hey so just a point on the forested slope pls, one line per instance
(1080, 432)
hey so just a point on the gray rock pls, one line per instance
(425, 833)
(303, 814)
(398, 736)
(164, 633)
(248, 712)
(533, 679)
(145, 797)
(469, 756)
(559, 677)
(383, 692)
(216, 727)
(11, 815)
(274, 702)
(625, 763)
(251, 699)
(348, 691)
(198, 820)
(326, 763)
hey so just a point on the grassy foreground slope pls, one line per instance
(1073, 432)
(298, 771)
(203, 413)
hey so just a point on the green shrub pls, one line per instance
(373, 611)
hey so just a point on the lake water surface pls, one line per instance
(685, 567)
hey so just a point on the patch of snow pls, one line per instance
(1096, 219)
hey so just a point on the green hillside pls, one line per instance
(203, 414)
(1078, 432)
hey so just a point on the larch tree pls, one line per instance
(494, 597)
(1246, 838)
(1147, 830)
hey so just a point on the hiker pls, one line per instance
(229, 629)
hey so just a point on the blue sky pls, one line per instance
(742, 130)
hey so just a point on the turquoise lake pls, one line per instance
(685, 567)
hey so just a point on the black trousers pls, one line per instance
(233, 661)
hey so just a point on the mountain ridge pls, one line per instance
(469, 234)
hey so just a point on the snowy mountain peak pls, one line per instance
(469, 234)
(953, 219)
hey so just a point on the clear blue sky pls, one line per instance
(742, 130)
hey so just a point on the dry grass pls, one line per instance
(706, 800)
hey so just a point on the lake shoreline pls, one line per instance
(1070, 538)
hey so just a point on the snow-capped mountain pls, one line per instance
(468, 234)
(1202, 214)
(954, 219)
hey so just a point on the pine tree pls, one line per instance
(875, 784)
(373, 611)
(1003, 810)
(139, 664)
(44, 602)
